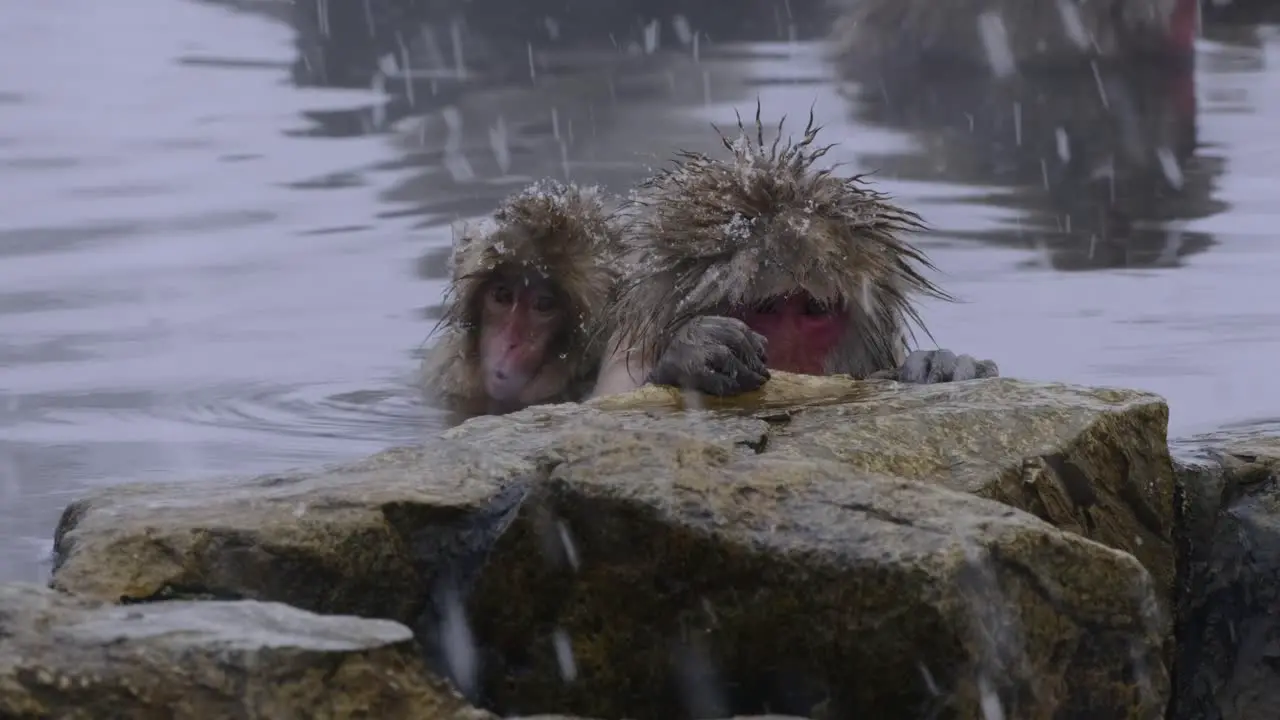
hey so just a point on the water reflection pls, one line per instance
(1100, 163)
(1219, 14)
(215, 262)
(186, 290)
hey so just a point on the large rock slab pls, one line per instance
(823, 547)
(1229, 614)
(74, 658)
(1094, 461)
(673, 574)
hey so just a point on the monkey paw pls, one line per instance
(715, 356)
(926, 367)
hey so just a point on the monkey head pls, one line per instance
(817, 264)
(522, 324)
(527, 291)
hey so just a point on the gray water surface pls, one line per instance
(208, 269)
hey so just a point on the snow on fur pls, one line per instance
(559, 230)
(712, 233)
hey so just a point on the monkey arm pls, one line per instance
(708, 354)
(622, 370)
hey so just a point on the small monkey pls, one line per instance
(522, 307)
(760, 261)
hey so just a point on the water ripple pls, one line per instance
(330, 420)
(208, 267)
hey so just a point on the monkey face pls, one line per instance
(520, 319)
(802, 331)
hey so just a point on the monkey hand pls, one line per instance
(714, 355)
(925, 367)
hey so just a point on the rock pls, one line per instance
(74, 658)
(822, 547)
(332, 542)
(1228, 626)
(1094, 461)
(802, 584)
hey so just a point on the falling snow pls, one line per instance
(423, 65)
(996, 41)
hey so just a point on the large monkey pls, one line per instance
(527, 291)
(761, 252)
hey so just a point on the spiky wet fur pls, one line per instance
(710, 234)
(561, 231)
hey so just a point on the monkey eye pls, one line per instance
(544, 303)
(502, 294)
(816, 307)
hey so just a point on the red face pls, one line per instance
(519, 320)
(801, 332)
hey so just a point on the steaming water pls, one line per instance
(207, 270)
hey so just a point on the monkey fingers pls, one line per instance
(736, 360)
(746, 345)
(927, 367)
(924, 366)
(714, 355)
(968, 368)
(985, 369)
(722, 376)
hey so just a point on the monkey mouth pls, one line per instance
(505, 387)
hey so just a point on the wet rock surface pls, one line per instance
(1229, 615)
(824, 548)
(798, 585)
(1094, 461)
(73, 658)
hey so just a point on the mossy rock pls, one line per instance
(825, 547)
(1228, 628)
(78, 659)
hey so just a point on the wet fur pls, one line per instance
(563, 232)
(711, 234)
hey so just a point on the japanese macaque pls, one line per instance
(1007, 34)
(528, 289)
(762, 262)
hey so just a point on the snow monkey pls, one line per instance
(760, 262)
(529, 286)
